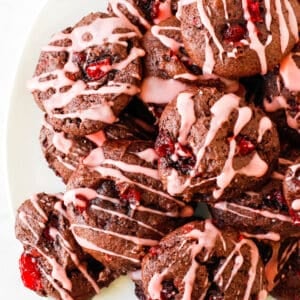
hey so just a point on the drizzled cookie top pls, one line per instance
(124, 185)
(231, 30)
(51, 251)
(198, 261)
(205, 125)
(91, 62)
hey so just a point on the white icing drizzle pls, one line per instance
(132, 10)
(244, 212)
(133, 239)
(166, 41)
(101, 30)
(160, 91)
(185, 107)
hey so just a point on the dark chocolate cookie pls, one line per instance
(88, 73)
(117, 206)
(263, 210)
(52, 263)
(238, 38)
(210, 142)
(198, 261)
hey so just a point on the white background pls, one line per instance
(16, 19)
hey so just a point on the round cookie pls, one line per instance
(198, 261)
(64, 152)
(262, 210)
(117, 206)
(52, 263)
(87, 74)
(291, 190)
(238, 38)
(211, 143)
(282, 95)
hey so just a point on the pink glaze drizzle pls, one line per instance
(160, 91)
(185, 107)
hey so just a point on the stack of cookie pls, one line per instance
(157, 112)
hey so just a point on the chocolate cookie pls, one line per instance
(282, 95)
(64, 152)
(117, 206)
(52, 263)
(198, 261)
(238, 38)
(291, 190)
(212, 143)
(87, 74)
(263, 210)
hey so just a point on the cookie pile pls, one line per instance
(154, 112)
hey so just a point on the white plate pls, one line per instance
(27, 169)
